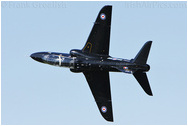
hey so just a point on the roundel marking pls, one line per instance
(103, 16)
(126, 68)
(104, 109)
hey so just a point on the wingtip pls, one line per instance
(149, 93)
(105, 109)
(108, 6)
(108, 116)
(109, 119)
(149, 42)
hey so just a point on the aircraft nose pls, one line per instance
(37, 57)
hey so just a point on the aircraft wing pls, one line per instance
(99, 84)
(99, 38)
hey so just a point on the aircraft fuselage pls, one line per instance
(80, 62)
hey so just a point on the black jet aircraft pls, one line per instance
(94, 62)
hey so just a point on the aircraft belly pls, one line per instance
(96, 65)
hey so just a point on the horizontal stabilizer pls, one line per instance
(143, 81)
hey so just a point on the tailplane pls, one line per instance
(143, 81)
(140, 75)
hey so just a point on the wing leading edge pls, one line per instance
(99, 84)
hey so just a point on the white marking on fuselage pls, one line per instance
(59, 60)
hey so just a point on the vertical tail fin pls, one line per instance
(142, 56)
